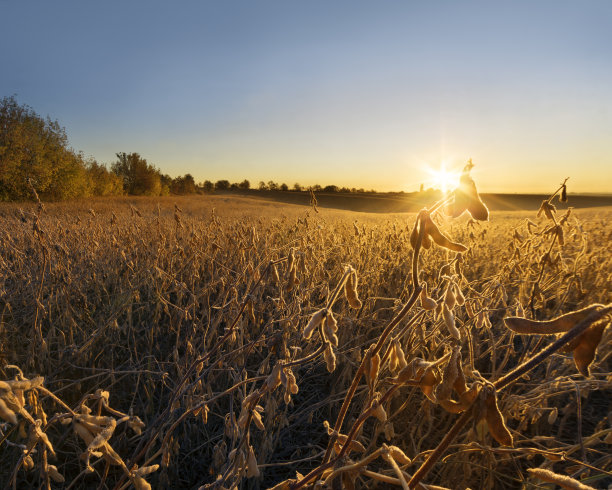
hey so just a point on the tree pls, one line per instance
(284, 187)
(35, 148)
(297, 187)
(166, 184)
(139, 177)
(208, 186)
(273, 186)
(330, 188)
(102, 181)
(222, 185)
(245, 185)
(262, 186)
(70, 178)
(183, 185)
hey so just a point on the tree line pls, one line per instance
(36, 148)
(245, 185)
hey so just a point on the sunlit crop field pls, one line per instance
(211, 341)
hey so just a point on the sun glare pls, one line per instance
(442, 178)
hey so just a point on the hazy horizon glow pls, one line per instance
(356, 94)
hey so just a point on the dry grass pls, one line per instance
(173, 335)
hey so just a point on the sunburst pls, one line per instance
(442, 178)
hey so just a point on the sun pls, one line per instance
(442, 178)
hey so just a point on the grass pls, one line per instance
(187, 314)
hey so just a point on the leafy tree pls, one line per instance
(183, 185)
(139, 177)
(166, 184)
(222, 185)
(330, 188)
(189, 184)
(37, 148)
(70, 178)
(297, 187)
(273, 186)
(102, 181)
(262, 186)
(284, 187)
(245, 185)
(208, 186)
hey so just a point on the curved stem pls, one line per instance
(346, 445)
(309, 357)
(557, 191)
(334, 296)
(144, 446)
(392, 324)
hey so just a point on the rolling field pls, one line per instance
(231, 342)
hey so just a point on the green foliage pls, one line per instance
(183, 185)
(139, 177)
(36, 148)
(102, 181)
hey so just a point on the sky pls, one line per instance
(353, 93)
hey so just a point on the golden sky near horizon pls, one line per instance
(354, 94)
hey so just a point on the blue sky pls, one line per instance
(355, 93)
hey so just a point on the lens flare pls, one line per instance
(442, 178)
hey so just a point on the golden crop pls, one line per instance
(218, 341)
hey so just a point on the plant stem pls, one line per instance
(502, 383)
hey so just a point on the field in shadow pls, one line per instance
(412, 202)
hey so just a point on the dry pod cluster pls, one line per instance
(466, 198)
(562, 481)
(421, 373)
(94, 430)
(433, 234)
(490, 412)
(350, 289)
(426, 302)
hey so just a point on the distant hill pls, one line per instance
(411, 202)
